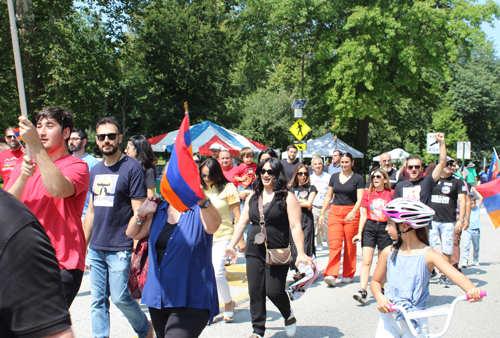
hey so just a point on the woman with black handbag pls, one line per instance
(268, 252)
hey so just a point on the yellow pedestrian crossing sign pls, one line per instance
(299, 129)
(301, 146)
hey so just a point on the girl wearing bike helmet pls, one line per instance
(408, 265)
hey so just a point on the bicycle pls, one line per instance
(445, 311)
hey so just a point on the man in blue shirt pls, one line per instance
(76, 144)
(118, 188)
(335, 166)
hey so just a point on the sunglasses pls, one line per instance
(196, 161)
(204, 175)
(377, 176)
(414, 166)
(449, 165)
(8, 137)
(302, 174)
(111, 137)
(270, 172)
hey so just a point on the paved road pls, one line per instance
(332, 312)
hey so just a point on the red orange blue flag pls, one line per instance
(491, 200)
(494, 167)
(17, 135)
(180, 185)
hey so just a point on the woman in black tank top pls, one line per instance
(282, 216)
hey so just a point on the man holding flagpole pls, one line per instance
(54, 188)
(118, 189)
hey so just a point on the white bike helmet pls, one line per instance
(406, 210)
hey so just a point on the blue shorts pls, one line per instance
(445, 231)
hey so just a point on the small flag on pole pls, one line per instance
(491, 200)
(335, 143)
(494, 167)
(17, 135)
(181, 183)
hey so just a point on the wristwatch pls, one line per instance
(461, 220)
(206, 204)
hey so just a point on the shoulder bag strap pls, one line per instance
(262, 222)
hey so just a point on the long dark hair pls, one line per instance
(387, 185)
(280, 181)
(215, 174)
(267, 151)
(145, 155)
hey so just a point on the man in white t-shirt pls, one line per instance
(320, 180)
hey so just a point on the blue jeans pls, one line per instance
(471, 235)
(108, 271)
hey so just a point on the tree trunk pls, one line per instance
(362, 134)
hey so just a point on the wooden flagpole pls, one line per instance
(17, 60)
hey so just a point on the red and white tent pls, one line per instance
(203, 135)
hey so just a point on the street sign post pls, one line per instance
(299, 129)
(463, 150)
(432, 144)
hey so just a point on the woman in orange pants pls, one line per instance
(347, 190)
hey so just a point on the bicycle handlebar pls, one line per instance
(483, 294)
(431, 313)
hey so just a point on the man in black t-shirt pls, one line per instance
(32, 303)
(394, 175)
(417, 187)
(446, 195)
(291, 162)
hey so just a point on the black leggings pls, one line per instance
(265, 280)
(179, 322)
(71, 279)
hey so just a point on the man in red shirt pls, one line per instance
(9, 157)
(53, 185)
(228, 168)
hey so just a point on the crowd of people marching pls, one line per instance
(64, 211)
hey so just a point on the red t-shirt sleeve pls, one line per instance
(78, 173)
(364, 201)
(13, 176)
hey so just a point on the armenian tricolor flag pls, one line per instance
(491, 200)
(181, 183)
(494, 170)
(17, 135)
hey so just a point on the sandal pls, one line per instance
(228, 315)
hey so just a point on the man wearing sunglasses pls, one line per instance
(394, 175)
(118, 188)
(447, 195)
(53, 185)
(417, 187)
(9, 157)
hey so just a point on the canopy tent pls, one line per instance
(396, 154)
(325, 144)
(203, 135)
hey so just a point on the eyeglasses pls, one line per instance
(377, 176)
(270, 172)
(8, 137)
(74, 139)
(449, 164)
(302, 174)
(414, 166)
(386, 161)
(111, 136)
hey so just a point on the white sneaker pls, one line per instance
(346, 280)
(464, 264)
(291, 325)
(330, 280)
(319, 247)
(476, 262)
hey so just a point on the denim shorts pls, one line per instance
(445, 231)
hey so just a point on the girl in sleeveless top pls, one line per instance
(408, 265)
